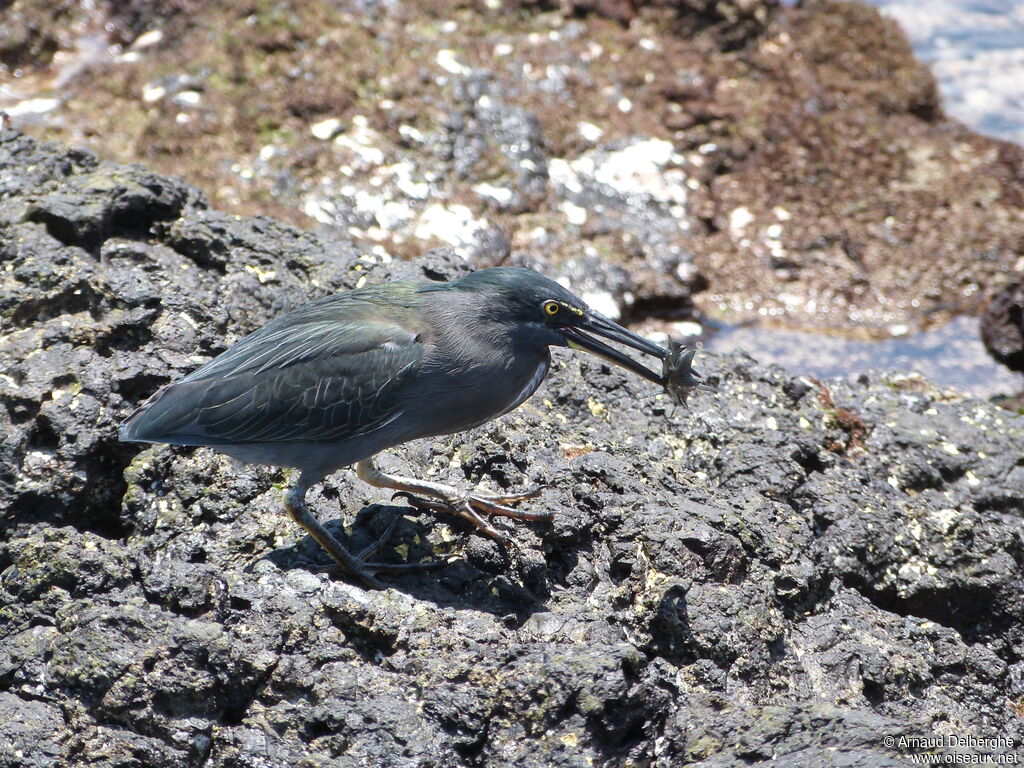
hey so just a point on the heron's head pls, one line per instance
(540, 309)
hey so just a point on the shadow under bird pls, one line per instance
(338, 380)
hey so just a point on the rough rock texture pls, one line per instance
(787, 571)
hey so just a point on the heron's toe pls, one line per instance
(514, 498)
(372, 549)
(498, 505)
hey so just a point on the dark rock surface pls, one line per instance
(1002, 325)
(786, 571)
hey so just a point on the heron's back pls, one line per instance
(326, 372)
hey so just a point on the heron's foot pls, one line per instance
(473, 507)
(367, 569)
(359, 565)
(439, 497)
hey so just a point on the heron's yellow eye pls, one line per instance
(551, 308)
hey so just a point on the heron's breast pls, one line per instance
(465, 399)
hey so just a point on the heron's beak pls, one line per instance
(602, 326)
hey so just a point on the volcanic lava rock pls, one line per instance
(786, 571)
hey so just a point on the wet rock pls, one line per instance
(770, 574)
(1002, 326)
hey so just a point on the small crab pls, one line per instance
(678, 376)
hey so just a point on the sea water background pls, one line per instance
(976, 50)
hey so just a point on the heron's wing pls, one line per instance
(322, 381)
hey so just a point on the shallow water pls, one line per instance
(975, 48)
(951, 356)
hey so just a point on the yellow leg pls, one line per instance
(447, 498)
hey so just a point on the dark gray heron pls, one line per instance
(338, 380)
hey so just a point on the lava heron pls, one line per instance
(338, 380)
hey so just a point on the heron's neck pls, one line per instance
(467, 331)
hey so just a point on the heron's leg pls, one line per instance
(359, 565)
(452, 500)
(463, 510)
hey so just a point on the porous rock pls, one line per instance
(786, 571)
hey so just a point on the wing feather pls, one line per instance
(322, 381)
